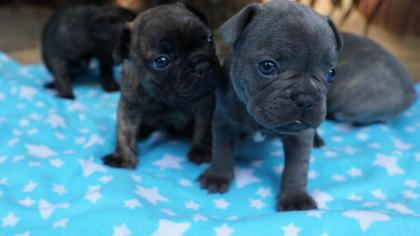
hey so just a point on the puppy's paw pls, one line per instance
(199, 155)
(49, 85)
(215, 182)
(111, 86)
(295, 202)
(66, 95)
(119, 162)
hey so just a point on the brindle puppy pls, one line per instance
(168, 71)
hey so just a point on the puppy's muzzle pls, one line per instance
(285, 108)
(194, 81)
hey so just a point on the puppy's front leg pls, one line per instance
(200, 151)
(107, 77)
(219, 175)
(62, 78)
(125, 155)
(293, 194)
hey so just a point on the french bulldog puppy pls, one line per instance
(169, 71)
(75, 35)
(282, 62)
(380, 88)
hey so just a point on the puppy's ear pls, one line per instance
(232, 29)
(121, 51)
(197, 11)
(337, 34)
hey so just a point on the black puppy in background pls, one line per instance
(282, 62)
(75, 35)
(169, 66)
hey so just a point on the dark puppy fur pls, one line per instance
(281, 64)
(380, 88)
(75, 35)
(168, 71)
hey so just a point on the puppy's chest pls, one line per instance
(166, 117)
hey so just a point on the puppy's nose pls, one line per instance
(202, 68)
(304, 102)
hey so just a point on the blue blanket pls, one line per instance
(52, 182)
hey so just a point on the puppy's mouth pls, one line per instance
(293, 127)
(193, 84)
(282, 115)
(195, 90)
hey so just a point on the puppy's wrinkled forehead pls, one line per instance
(165, 30)
(291, 31)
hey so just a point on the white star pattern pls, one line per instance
(46, 209)
(321, 198)
(362, 136)
(366, 218)
(354, 172)
(330, 154)
(399, 207)
(185, 183)
(244, 177)
(223, 230)
(291, 230)
(167, 227)
(57, 163)
(168, 212)
(264, 192)
(401, 145)
(389, 163)
(121, 230)
(278, 169)
(93, 194)
(409, 194)
(199, 217)
(378, 194)
(315, 213)
(59, 189)
(369, 204)
(221, 204)
(60, 223)
(355, 197)
(338, 178)
(105, 179)
(411, 183)
(10, 220)
(39, 151)
(56, 121)
(350, 150)
(94, 140)
(89, 167)
(151, 195)
(135, 178)
(169, 162)
(192, 205)
(132, 204)
(29, 187)
(27, 201)
(256, 203)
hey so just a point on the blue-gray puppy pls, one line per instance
(282, 62)
(371, 85)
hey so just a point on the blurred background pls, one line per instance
(392, 23)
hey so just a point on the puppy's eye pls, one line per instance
(331, 75)
(268, 68)
(160, 63)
